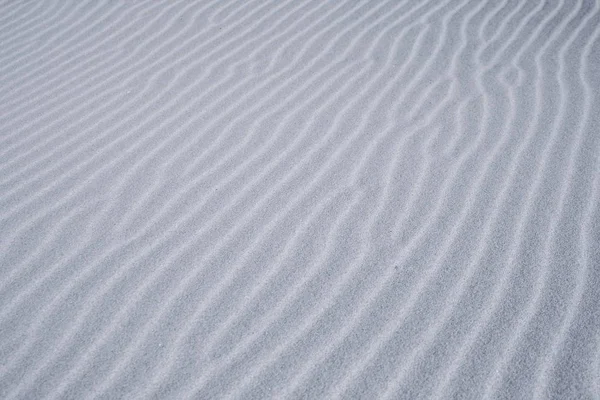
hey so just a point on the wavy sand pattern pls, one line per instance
(256, 199)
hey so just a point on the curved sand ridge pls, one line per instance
(300, 199)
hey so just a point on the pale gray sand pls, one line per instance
(300, 199)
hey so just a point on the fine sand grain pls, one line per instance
(300, 199)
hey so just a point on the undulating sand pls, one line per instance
(305, 199)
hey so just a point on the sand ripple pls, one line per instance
(300, 199)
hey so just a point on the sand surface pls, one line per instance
(308, 199)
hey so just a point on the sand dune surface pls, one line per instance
(300, 199)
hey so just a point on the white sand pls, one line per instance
(300, 199)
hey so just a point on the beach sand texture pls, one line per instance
(256, 199)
